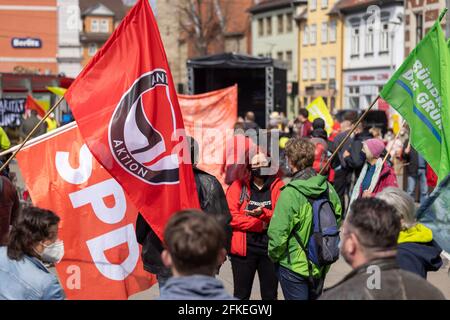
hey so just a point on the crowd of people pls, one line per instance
(289, 225)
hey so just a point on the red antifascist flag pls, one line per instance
(32, 104)
(126, 107)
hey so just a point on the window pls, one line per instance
(324, 68)
(384, 38)
(369, 40)
(305, 69)
(419, 27)
(104, 25)
(313, 69)
(333, 31)
(353, 94)
(280, 56)
(92, 49)
(289, 23)
(312, 4)
(332, 68)
(280, 21)
(355, 41)
(324, 36)
(95, 26)
(324, 4)
(260, 27)
(269, 26)
(312, 34)
(289, 59)
(305, 35)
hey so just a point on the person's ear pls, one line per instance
(222, 257)
(166, 258)
(352, 244)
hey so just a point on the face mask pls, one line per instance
(53, 253)
(256, 172)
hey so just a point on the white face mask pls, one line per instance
(53, 253)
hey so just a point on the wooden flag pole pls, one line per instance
(392, 146)
(31, 133)
(363, 116)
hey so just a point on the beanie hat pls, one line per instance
(375, 146)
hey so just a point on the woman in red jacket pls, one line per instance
(251, 204)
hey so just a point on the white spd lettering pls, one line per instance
(99, 245)
(94, 196)
(74, 175)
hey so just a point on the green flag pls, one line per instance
(419, 91)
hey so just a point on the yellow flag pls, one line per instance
(319, 109)
(57, 90)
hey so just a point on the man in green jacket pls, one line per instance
(293, 210)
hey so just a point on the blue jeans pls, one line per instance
(296, 287)
(421, 178)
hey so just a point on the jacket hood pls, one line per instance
(418, 241)
(311, 187)
(418, 233)
(195, 287)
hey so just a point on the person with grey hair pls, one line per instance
(417, 251)
(369, 246)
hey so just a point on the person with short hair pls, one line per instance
(292, 219)
(303, 125)
(193, 251)
(369, 246)
(33, 242)
(28, 125)
(417, 251)
(250, 122)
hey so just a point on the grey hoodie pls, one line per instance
(196, 287)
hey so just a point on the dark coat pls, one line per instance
(412, 160)
(9, 207)
(212, 201)
(357, 157)
(395, 284)
(419, 258)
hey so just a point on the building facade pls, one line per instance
(320, 55)
(28, 36)
(180, 45)
(373, 48)
(420, 16)
(275, 35)
(99, 19)
(69, 47)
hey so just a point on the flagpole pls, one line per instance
(31, 133)
(363, 116)
(40, 138)
(392, 145)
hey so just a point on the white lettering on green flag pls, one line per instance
(419, 91)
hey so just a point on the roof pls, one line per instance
(356, 5)
(234, 60)
(269, 5)
(116, 6)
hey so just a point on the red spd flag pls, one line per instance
(127, 110)
(102, 257)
